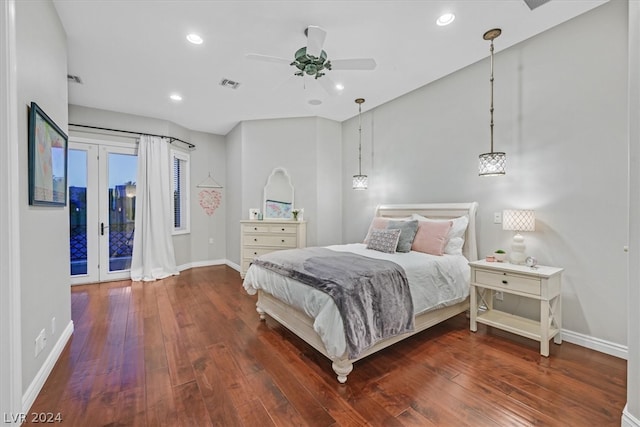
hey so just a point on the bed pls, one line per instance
(314, 317)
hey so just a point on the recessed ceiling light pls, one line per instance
(339, 86)
(175, 97)
(194, 38)
(445, 19)
(314, 102)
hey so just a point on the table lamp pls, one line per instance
(518, 220)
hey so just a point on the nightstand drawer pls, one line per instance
(508, 281)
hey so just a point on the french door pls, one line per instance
(102, 194)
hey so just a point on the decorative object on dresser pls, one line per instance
(493, 162)
(261, 237)
(278, 195)
(518, 220)
(360, 181)
(541, 283)
(285, 281)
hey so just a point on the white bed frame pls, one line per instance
(302, 325)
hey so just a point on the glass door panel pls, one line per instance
(83, 212)
(121, 216)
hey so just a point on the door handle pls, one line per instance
(102, 227)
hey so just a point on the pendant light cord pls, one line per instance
(491, 107)
(360, 139)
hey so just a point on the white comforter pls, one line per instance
(434, 281)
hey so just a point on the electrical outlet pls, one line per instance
(211, 240)
(53, 326)
(497, 217)
(499, 295)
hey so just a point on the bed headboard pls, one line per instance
(440, 211)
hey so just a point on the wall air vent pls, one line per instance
(535, 3)
(229, 83)
(74, 79)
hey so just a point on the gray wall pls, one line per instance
(309, 149)
(561, 117)
(44, 231)
(208, 157)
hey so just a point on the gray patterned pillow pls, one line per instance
(384, 240)
(408, 230)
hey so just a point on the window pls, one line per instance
(180, 187)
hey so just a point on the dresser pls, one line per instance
(261, 237)
(541, 283)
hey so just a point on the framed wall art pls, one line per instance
(48, 146)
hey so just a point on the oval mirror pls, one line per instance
(278, 195)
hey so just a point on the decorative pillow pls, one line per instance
(456, 234)
(431, 237)
(378, 223)
(408, 231)
(384, 240)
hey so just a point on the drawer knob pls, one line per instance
(283, 229)
(255, 240)
(505, 282)
(282, 240)
(255, 228)
(255, 253)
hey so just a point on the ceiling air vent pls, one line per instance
(74, 79)
(229, 83)
(535, 3)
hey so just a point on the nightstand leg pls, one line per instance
(473, 308)
(558, 317)
(544, 328)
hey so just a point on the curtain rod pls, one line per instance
(171, 138)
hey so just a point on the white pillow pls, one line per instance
(456, 234)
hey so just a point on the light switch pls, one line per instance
(497, 217)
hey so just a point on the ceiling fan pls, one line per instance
(311, 60)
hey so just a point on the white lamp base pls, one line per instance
(517, 255)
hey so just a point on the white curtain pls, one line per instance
(153, 255)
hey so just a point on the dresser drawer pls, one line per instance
(283, 229)
(262, 228)
(508, 281)
(270, 240)
(251, 253)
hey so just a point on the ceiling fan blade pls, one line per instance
(267, 58)
(315, 40)
(353, 64)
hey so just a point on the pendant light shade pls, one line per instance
(360, 181)
(494, 162)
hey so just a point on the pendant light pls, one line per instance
(360, 182)
(492, 163)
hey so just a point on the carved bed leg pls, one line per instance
(261, 312)
(342, 368)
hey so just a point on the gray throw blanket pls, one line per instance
(372, 295)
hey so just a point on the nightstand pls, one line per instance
(541, 283)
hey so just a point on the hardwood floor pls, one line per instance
(190, 350)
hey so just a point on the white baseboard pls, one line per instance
(209, 263)
(629, 420)
(596, 344)
(206, 263)
(233, 265)
(36, 385)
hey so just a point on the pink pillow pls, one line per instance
(431, 237)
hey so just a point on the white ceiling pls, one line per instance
(131, 55)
